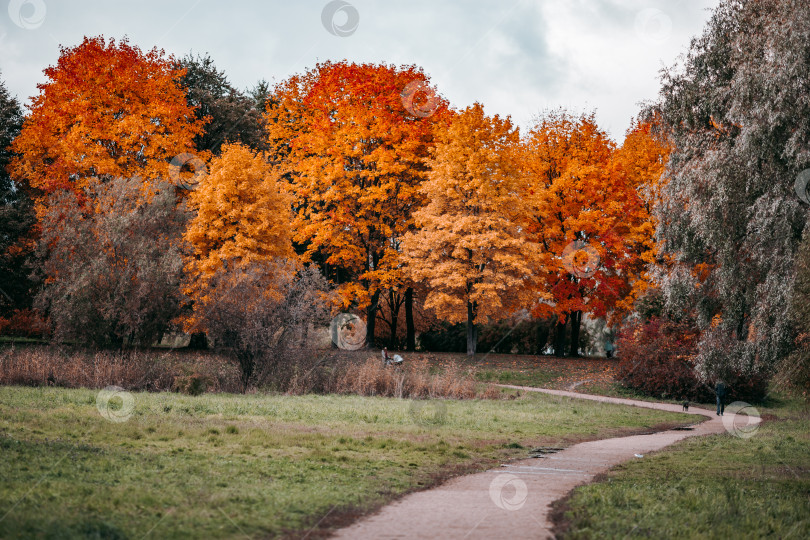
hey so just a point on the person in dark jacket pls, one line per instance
(720, 391)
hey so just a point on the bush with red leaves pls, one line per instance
(656, 359)
(24, 323)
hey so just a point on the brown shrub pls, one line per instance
(656, 359)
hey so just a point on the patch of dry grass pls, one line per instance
(133, 370)
(195, 372)
(410, 380)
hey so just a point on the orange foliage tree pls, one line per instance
(636, 177)
(589, 216)
(351, 139)
(242, 216)
(640, 161)
(107, 110)
(469, 247)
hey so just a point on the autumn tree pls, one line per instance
(230, 115)
(16, 216)
(468, 247)
(589, 216)
(350, 139)
(259, 311)
(107, 110)
(241, 216)
(566, 166)
(739, 118)
(261, 95)
(637, 176)
(794, 369)
(113, 270)
(250, 294)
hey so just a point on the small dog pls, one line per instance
(685, 405)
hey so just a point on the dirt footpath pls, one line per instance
(514, 500)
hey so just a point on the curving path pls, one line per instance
(514, 500)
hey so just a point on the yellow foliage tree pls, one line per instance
(242, 216)
(468, 247)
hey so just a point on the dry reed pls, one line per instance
(194, 372)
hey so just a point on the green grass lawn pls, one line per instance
(540, 371)
(710, 487)
(537, 378)
(222, 465)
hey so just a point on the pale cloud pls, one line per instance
(516, 57)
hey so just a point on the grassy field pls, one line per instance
(583, 374)
(713, 487)
(222, 465)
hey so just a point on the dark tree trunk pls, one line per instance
(559, 337)
(199, 341)
(742, 335)
(410, 337)
(371, 321)
(472, 331)
(576, 322)
(304, 336)
(394, 319)
(246, 365)
(542, 337)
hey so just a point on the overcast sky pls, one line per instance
(516, 57)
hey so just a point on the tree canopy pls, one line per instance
(230, 115)
(107, 110)
(737, 113)
(16, 215)
(351, 144)
(241, 217)
(468, 246)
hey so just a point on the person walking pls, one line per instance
(720, 391)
